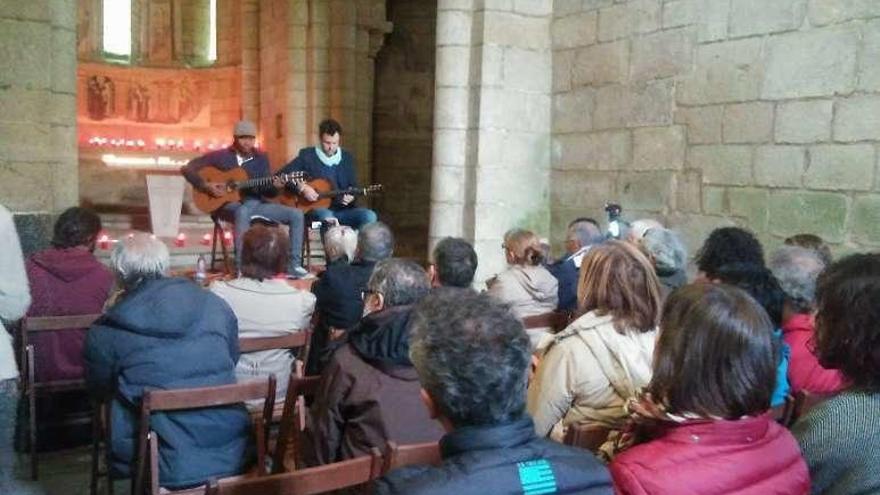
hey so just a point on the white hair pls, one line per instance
(340, 241)
(638, 228)
(138, 257)
(797, 269)
(666, 248)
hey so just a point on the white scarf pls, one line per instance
(330, 161)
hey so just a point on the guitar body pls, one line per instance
(210, 204)
(320, 185)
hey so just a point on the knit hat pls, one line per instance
(244, 128)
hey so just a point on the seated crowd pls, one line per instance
(682, 377)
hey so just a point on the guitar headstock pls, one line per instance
(295, 177)
(371, 189)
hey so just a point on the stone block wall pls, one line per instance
(403, 123)
(710, 112)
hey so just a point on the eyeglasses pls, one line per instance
(366, 293)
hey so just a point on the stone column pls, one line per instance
(492, 124)
(250, 59)
(38, 154)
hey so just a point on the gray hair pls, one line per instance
(797, 268)
(375, 242)
(471, 354)
(340, 241)
(666, 248)
(139, 257)
(400, 281)
(586, 233)
(640, 227)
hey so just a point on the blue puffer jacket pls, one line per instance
(170, 333)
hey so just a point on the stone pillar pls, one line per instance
(38, 155)
(492, 124)
(249, 31)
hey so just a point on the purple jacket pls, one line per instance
(64, 282)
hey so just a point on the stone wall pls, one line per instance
(403, 118)
(709, 112)
(38, 106)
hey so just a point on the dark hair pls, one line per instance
(329, 127)
(265, 252)
(814, 242)
(760, 283)
(76, 227)
(375, 242)
(617, 278)
(401, 281)
(847, 333)
(455, 261)
(728, 245)
(471, 354)
(584, 220)
(715, 355)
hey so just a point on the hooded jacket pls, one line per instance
(587, 374)
(501, 459)
(529, 290)
(804, 371)
(369, 392)
(754, 455)
(167, 334)
(64, 282)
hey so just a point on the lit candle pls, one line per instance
(104, 241)
(181, 240)
(227, 238)
(206, 239)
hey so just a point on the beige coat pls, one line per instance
(587, 373)
(529, 290)
(271, 308)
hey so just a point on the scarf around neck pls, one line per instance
(330, 161)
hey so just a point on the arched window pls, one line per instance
(212, 31)
(117, 29)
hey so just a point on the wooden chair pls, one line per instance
(589, 437)
(198, 398)
(101, 441)
(218, 240)
(295, 340)
(293, 420)
(321, 479)
(556, 320)
(396, 456)
(31, 387)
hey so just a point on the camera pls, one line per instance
(614, 211)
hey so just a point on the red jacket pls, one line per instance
(749, 456)
(804, 370)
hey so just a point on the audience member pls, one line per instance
(704, 411)
(166, 333)
(637, 229)
(797, 270)
(526, 285)
(340, 243)
(14, 301)
(455, 263)
(814, 242)
(603, 357)
(760, 283)
(67, 279)
(582, 234)
(265, 305)
(471, 356)
(669, 257)
(727, 245)
(840, 438)
(369, 391)
(338, 291)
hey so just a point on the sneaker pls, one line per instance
(297, 273)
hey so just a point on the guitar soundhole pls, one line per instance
(230, 186)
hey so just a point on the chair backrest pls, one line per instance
(295, 340)
(586, 436)
(199, 398)
(46, 324)
(293, 419)
(396, 456)
(308, 481)
(557, 320)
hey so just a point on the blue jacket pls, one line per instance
(169, 333)
(502, 459)
(342, 175)
(225, 159)
(567, 275)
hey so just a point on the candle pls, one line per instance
(227, 238)
(104, 241)
(180, 241)
(206, 239)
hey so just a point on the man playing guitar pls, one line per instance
(243, 154)
(329, 161)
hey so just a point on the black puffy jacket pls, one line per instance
(503, 459)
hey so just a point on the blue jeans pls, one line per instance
(353, 217)
(242, 213)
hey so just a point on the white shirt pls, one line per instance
(15, 294)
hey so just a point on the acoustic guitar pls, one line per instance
(234, 181)
(326, 193)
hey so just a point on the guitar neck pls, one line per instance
(260, 182)
(358, 191)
